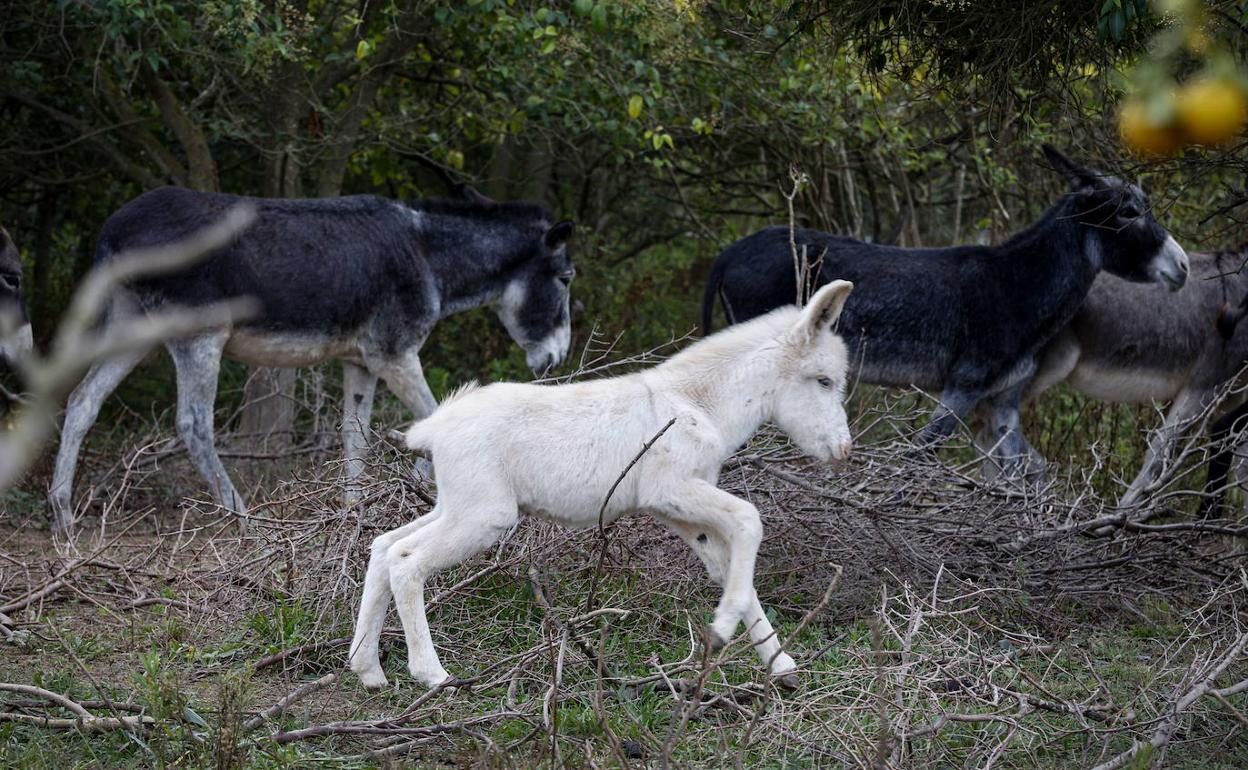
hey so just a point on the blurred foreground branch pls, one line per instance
(80, 341)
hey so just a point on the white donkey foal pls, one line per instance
(554, 451)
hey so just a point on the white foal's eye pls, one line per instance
(824, 381)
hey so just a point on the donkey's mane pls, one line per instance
(516, 212)
(731, 342)
(460, 392)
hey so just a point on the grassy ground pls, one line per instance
(959, 630)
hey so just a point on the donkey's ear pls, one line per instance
(470, 194)
(823, 309)
(559, 234)
(1077, 175)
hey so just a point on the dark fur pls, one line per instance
(360, 279)
(968, 321)
(332, 266)
(1229, 426)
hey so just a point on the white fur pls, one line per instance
(554, 451)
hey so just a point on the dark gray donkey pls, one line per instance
(968, 322)
(1134, 343)
(15, 336)
(361, 279)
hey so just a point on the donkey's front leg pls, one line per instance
(1008, 450)
(358, 388)
(703, 506)
(406, 379)
(714, 553)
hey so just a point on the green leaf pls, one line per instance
(189, 715)
(363, 49)
(635, 103)
(583, 7)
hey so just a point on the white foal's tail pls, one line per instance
(419, 437)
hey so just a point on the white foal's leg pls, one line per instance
(713, 551)
(358, 388)
(456, 536)
(702, 505)
(1186, 407)
(364, 658)
(84, 406)
(198, 362)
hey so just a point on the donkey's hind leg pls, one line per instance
(364, 658)
(454, 537)
(953, 408)
(198, 362)
(84, 406)
(358, 388)
(713, 550)
(1187, 407)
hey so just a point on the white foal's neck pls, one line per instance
(732, 374)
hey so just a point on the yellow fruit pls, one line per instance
(1144, 137)
(1211, 112)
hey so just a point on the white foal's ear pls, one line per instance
(823, 309)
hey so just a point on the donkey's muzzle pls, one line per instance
(1171, 265)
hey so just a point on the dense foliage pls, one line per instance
(665, 129)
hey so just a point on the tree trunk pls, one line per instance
(45, 225)
(268, 412)
(268, 406)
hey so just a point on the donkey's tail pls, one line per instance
(419, 437)
(714, 282)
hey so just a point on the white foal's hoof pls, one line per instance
(372, 678)
(787, 681)
(431, 677)
(713, 640)
(784, 672)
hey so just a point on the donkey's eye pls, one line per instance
(10, 280)
(1129, 211)
(566, 277)
(824, 381)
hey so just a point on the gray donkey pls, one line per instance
(969, 322)
(360, 279)
(16, 339)
(1137, 343)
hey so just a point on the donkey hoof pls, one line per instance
(712, 640)
(787, 681)
(372, 680)
(432, 679)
